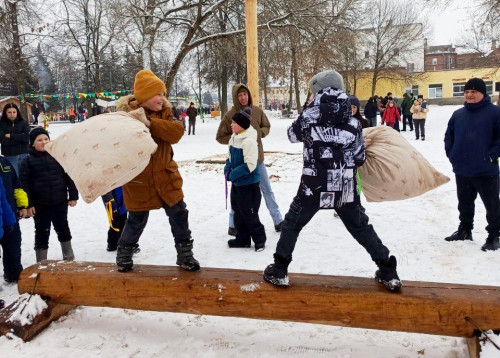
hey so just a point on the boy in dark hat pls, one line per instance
(242, 98)
(241, 170)
(50, 191)
(472, 144)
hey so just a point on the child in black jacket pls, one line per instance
(50, 191)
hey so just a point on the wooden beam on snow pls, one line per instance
(10, 323)
(421, 307)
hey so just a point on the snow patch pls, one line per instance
(250, 287)
(27, 309)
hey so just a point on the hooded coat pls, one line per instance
(160, 182)
(333, 149)
(259, 121)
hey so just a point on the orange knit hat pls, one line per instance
(147, 85)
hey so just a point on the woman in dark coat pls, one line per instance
(14, 135)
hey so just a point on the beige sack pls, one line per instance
(104, 152)
(394, 169)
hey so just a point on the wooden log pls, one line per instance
(252, 49)
(9, 324)
(422, 307)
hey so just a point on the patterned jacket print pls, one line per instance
(333, 149)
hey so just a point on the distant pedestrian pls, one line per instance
(419, 112)
(371, 112)
(191, 112)
(405, 109)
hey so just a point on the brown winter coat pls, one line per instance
(259, 121)
(160, 182)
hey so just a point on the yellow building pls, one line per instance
(437, 85)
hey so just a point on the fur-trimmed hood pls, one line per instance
(129, 103)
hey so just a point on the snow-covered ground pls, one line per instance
(412, 229)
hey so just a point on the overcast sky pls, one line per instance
(450, 24)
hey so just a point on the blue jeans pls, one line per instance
(16, 161)
(267, 193)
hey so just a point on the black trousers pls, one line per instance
(137, 220)
(407, 117)
(487, 188)
(118, 223)
(245, 201)
(45, 215)
(191, 125)
(11, 247)
(351, 214)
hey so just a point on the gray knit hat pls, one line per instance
(325, 79)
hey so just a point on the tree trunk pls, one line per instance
(18, 58)
(296, 80)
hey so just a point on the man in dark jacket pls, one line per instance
(405, 108)
(472, 144)
(192, 112)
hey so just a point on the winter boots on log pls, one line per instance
(185, 257)
(67, 251)
(387, 275)
(277, 273)
(41, 254)
(124, 260)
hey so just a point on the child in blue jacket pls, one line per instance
(241, 170)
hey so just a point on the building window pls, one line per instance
(435, 91)
(412, 89)
(489, 87)
(460, 61)
(458, 89)
(367, 54)
(410, 67)
(396, 52)
(434, 61)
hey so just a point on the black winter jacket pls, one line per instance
(19, 131)
(45, 181)
(472, 139)
(370, 110)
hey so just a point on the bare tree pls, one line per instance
(391, 40)
(90, 29)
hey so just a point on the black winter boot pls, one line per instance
(387, 275)
(124, 258)
(235, 243)
(462, 234)
(492, 243)
(277, 273)
(185, 257)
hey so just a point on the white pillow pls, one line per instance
(394, 169)
(104, 152)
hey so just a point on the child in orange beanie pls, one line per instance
(160, 183)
